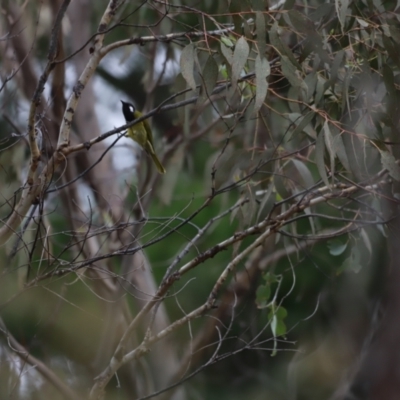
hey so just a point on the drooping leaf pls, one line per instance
(209, 76)
(300, 22)
(319, 157)
(187, 65)
(325, 10)
(281, 46)
(366, 240)
(263, 70)
(290, 72)
(281, 187)
(311, 81)
(335, 68)
(227, 53)
(267, 203)
(395, 33)
(388, 79)
(330, 145)
(340, 148)
(261, 31)
(240, 55)
(248, 33)
(341, 11)
(304, 172)
(179, 86)
(389, 163)
(278, 326)
(263, 294)
(302, 125)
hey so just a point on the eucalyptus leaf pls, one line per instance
(187, 65)
(304, 172)
(227, 53)
(290, 72)
(319, 157)
(302, 125)
(209, 76)
(281, 46)
(239, 60)
(389, 163)
(261, 33)
(262, 72)
(341, 11)
(330, 145)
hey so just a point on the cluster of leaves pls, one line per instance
(289, 112)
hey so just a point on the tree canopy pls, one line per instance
(256, 266)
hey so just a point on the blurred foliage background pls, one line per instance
(262, 265)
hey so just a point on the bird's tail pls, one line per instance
(159, 166)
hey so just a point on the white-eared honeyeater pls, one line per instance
(141, 133)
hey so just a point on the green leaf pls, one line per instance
(267, 203)
(304, 122)
(324, 10)
(281, 186)
(389, 163)
(336, 247)
(227, 53)
(262, 72)
(263, 294)
(304, 172)
(271, 278)
(277, 316)
(290, 72)
(210, 76)
(300, 22)
(280, 328)
(366, 240)
(395, 33)
(281, 312)
(388, 79)
(240, 55)
(227, 42)
(180, 85)
(330, 145)
(340, 148)
(335, 68)
(187, 65)
(363, 23)
(261, 32)
(311, 81)
(319, 157)
(341, 11)
(281, 46)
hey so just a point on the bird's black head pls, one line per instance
(128, 109)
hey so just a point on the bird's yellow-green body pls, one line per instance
(141, 133)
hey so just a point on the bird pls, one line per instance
(141, 133)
